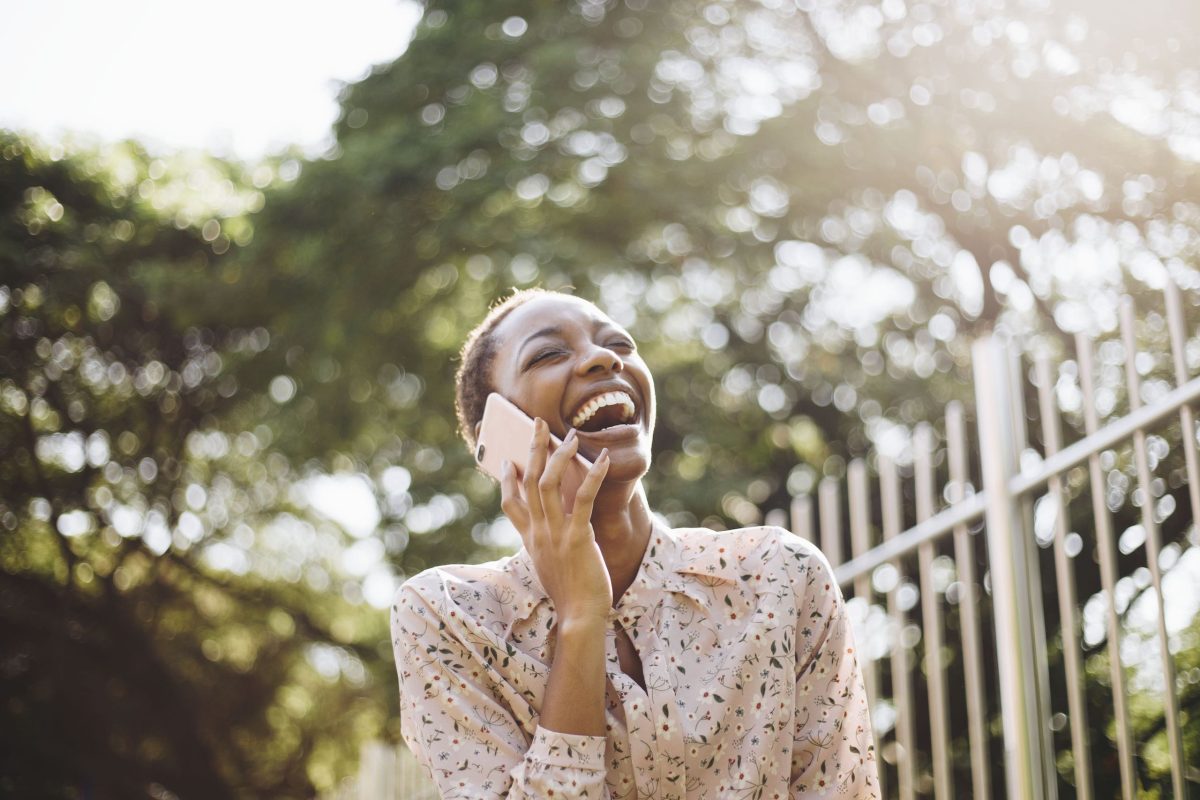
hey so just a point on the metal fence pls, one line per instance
(386, 772)
(987, 690)
(974, 714)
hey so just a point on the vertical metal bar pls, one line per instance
(968, 609)
(889, 490)
(1024, 726)
(831, 520)
(1065, 578)
(1108, 571)
(775, 518)
(376, 771)
(1153, 550)
(802, 521)
(1033, 574)
(860, 543)
(859, 497)
(1187, 419)
(931, 616)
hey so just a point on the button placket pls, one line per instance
(639, 720)
(611, 659)
(663, 712)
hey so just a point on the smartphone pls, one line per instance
(506, 432)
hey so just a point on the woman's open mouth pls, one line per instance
(603, 411)
(611, 419)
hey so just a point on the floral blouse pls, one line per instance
(753, 689)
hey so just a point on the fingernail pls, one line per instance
(505, 466)
(570, 436)
(603, 454)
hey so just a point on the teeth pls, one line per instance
(599, 402)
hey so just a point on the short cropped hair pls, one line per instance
(473, 381)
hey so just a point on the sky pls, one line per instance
(240, 78)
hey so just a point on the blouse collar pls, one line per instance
(673, 561)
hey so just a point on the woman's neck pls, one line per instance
(622, 533)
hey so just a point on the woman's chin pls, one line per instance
(628, 450)
(626, 466)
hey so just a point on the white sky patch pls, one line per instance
(891, 439)
(348, 500)
(857, 293)
(238, 78)
(968, 282)
(379, 587)
(1139, 646)
(1182, 600)
(226, 557)
(359, 558)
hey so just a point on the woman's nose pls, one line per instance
(600, 358)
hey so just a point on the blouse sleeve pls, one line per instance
(459, 727)
(834, 752)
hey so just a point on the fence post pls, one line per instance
(377, 771)
(1010, 559)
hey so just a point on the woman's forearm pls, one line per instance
(574, 699)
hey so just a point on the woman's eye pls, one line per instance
(625, 343)
(542, 356)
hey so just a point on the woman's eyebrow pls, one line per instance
(555, 330)
(552, 330)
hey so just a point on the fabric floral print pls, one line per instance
(752, 685)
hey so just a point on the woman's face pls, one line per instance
(562, 359)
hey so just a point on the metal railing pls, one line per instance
(1013, 652)
(386, 772)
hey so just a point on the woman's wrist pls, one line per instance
(574, 700)
(582, 625)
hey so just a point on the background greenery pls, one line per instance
(805, 211)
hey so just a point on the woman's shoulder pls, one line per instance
(438, 578)
(493, 595)
(758, 542)
(764, 554)
(466, 585)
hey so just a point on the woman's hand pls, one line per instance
(563, 546)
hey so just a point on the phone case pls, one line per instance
(506, 433)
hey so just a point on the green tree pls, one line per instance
(143, 648)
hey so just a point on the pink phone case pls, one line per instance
(506, 433)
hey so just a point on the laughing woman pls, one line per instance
(614, 656)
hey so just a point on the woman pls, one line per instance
(613, 656)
